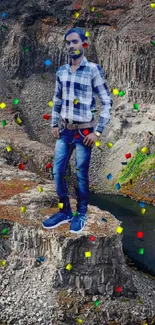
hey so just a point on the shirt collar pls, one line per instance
(83, 63)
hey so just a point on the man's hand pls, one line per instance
(55, 132)
(90, 139)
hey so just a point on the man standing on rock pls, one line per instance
(74, 99)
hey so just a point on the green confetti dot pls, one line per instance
(121, 93)
(141, 251)
(3, 122)
(15, 101)
(4, 27)
(96, 303)
(135, 106)
(5, 231)
(26, 48)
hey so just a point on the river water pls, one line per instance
(129, 212)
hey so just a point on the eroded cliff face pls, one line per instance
(100, 288)
(120, 42)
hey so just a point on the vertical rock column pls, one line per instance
(97, 266)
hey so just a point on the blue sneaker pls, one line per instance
(78, 222)
(57, 219)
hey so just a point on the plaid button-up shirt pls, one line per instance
(82, 85)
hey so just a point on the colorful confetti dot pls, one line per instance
(23, 209)
(76, 14)
(69, 267)
(115, 91)
(87, 254)
(2, 105)
(48, 62)
(119, 229)
(109, 145)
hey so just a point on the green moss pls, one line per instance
(139, 164)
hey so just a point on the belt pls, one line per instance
(78, 125)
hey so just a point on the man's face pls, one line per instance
(74, 42)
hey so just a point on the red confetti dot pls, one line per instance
(128, 155)
(77, 6)
(85, 132)
(140, 234)
(21, 166)
(46, 116)
(118, 289)
(48, 165)
(85, 45)
(92, 238)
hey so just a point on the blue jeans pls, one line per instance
(63, 151)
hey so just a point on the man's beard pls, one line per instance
(76, 56)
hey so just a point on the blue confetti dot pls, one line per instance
(48, 62)
(109, 176)
(104, 220)
(142, 204)
(4, 15)
(118, 186)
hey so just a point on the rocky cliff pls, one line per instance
(120, 41)
(55, 277)
(46, 292)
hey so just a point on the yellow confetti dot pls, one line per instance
(18, 120)
(69, 267)
(40, 189)
(144, 150)
(25, 187)
(109, 145)
(75, 101)
(87, 254)
(3, 262)
(60, 205)
(143, 210)
(115, 91)
(87, 34)
(50, 103)
(119, 230)
(4, 236)
(8, 148)
(97, 143)
(23, 209)
(152, 5)
(79, 320)
(2, 105)
(76, 15)
(92, 9)
(77, 52)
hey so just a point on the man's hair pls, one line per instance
(78, 31)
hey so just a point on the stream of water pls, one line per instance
(129, 212)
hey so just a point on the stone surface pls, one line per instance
(47, 293)
(60, 245)
(128, 63)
